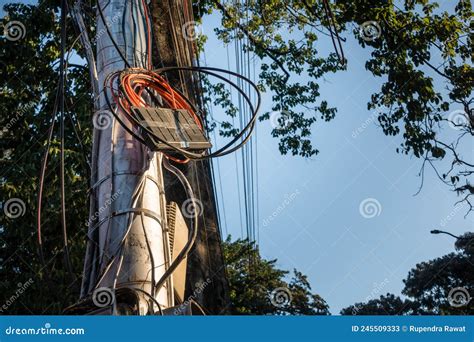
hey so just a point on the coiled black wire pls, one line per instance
(227, 149)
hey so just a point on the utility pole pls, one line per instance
(128, 246)
(126, 231)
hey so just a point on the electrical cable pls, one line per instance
(146, 294)
(44, 161)
(154, 80)
(221, 152)
(149, 33)
(193, 227)
(334, 34)
(62, 166)
(138, 191)
(101, 14)
(250, 125)
(42, 177)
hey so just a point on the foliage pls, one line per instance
(286, 36)
(258, 287)
(422, 54)
(430, 287)
(29, 78)
(385, 305)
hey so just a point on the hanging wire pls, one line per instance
(334, 32)
(62, 114)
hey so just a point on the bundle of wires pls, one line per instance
(130, 87)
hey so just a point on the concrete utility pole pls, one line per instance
(122, 165)
(128, 244)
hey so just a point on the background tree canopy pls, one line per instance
(29, 71)
(258, 287)
(442, 286)
(421, 52)
(409, 45)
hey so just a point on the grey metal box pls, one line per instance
(175, 126)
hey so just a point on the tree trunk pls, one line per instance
(174, 46)
(118, 164)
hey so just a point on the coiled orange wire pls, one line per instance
(135, 81)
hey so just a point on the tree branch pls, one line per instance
(269, 52)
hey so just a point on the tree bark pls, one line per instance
(206, 273)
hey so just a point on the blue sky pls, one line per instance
(348, 258)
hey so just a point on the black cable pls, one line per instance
(249, 127)
(146, 294)
(101, 13)
(61, 105)
(137, 191)
(44, 161)
(332, 21)
(124, 14)
(193, 227)
(150, 253)
(43, 174)
(206, 70)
